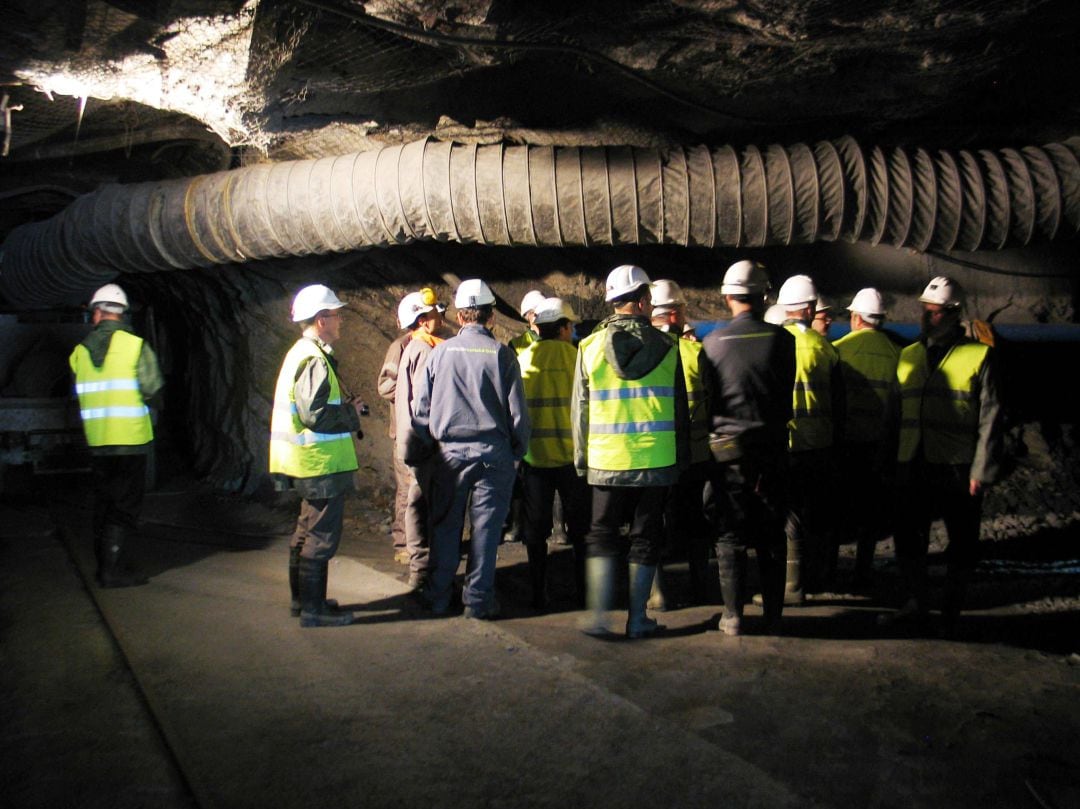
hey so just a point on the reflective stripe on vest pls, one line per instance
(690, 353)
(811, 425)
(295, 450)
(868, 360)
(110, 402)
(940, 408)
(631, 421)
(547, 375)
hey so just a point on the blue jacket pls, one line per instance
(471, 393)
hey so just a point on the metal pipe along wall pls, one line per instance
(552, 196)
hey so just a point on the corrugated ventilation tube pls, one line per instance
(552, 196)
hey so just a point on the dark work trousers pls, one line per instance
(749, 509)
(418, 517)
(615, 506)
(480, 478)
(686, 529)
(119, 486)
(929, 492)
(319, 527)
(403, 478)
(539, 485)
(809, 536)
(865, 515)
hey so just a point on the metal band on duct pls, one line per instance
(552, 196)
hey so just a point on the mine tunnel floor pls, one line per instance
(198, 689)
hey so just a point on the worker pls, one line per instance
(387, 387)
(420, 313)
(950, 447)
(751, 365)
(547, 373)
(631, 426)
(868, 358)
(117, 381)
(513, 531)
(312, 451)
(824, 315)
(685, 524)
(469, 412)
(817, 394)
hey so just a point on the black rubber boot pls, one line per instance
(294, 582)
(112, 572)
(538, 558)
(313, 608)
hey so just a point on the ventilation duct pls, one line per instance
(552, 196)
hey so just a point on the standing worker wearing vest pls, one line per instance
(949, 448)
(816, 406)
(684, 511)
(469, 412)
(547, 372)
(312, 451)
(514, 531)
(631, 423)
(116, 380)
(752, 367)
(868, 358)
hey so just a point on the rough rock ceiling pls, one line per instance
(129, 90)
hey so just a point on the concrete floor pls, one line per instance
(198, 689)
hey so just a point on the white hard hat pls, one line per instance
(623, 280)
(868, 303)
(943, 291)
(415, 304)
(311, 300)
(823, 304)
(776, 314)
(473, 292)
(745, 278)
(532, 299)
(666, 295)
(798, 289)
(552, 310)
(111, 298)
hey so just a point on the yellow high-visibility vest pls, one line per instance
(631, 421)
(547, 374)
(524, 340)
(690, 353)
(296, 450)
(940, 407)
(811, 425)
(868, 360)
(111, 405)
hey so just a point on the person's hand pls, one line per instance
(975, 487)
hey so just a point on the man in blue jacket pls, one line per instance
(470, 413)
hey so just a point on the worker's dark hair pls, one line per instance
(550, 331)
(476, 314)
(638, 294)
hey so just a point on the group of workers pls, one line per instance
(761, 435)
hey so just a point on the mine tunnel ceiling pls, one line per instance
(129, 91)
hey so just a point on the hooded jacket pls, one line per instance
(633, 348)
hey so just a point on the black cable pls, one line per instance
(994, 270)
